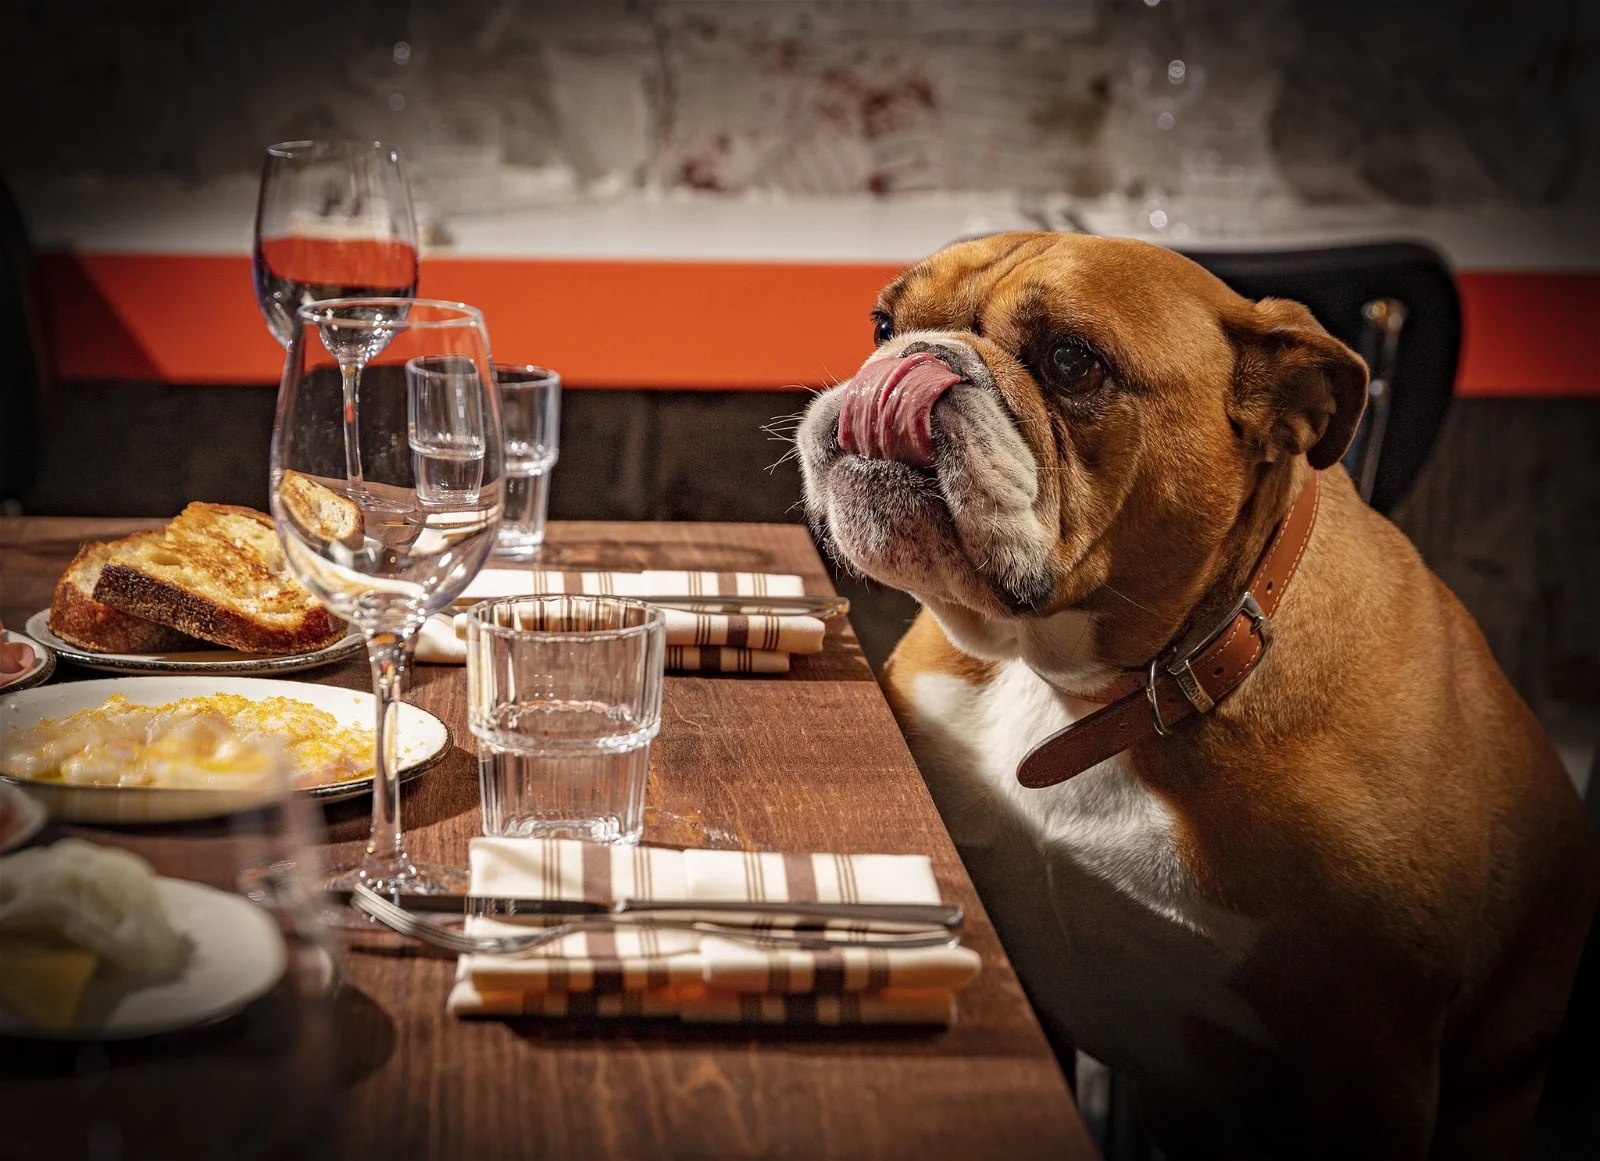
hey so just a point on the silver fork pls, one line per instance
(464, 943)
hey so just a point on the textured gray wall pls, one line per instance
(1414, 101)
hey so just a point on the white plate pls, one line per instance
(239, 955)
(228, 662)
(20, 817)
(422, 741)
(44, 663)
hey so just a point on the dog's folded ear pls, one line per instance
(1296, 388)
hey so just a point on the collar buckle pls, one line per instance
(1181, 671)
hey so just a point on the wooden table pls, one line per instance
(808, 761)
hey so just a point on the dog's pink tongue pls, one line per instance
(888, 408)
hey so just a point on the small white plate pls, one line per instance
(20, 817)
(223, 662)
(239, 956)
(44, 663)
(422, 741)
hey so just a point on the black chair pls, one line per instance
(1567, 1122)
(1395, 304)
(21, 370)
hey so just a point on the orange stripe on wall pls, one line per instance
(693, 325)
(193, 319)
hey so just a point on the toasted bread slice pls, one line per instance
(319, 510)
(218, 573)
(76, 617)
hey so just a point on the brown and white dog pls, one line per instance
(1340, 913)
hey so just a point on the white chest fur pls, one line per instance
(1104, 820)
(1083, 879)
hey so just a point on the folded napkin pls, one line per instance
(699, 1006)
(640, 971)
(703, 642)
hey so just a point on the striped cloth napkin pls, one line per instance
(631, 972)
(703, 642)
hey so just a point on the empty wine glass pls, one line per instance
(334, 220)
(406, 542)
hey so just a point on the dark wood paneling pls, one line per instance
(1505, 513)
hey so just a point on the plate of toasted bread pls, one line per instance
(209, 593)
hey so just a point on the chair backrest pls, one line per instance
(1340, 284)
(20, 371)
(1567, 1120)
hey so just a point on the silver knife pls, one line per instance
(820, 607)
(912, 914)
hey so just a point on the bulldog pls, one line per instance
(1259, 820)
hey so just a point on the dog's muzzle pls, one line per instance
(887, 410)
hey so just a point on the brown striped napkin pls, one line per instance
(514, 582)
(698, 1005)
(625, 971)
(696, 642)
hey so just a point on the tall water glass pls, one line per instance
(530, 403)
(444, 427)
(564, 697)
(389, 552)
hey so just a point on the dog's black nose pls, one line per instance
(948, 353)
(1028, 594)
(956, 355)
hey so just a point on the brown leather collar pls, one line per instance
(1181, 682)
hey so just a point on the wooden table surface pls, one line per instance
(808, 761)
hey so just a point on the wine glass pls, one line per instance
(334, 220)
(205, 1006)
(405, 542)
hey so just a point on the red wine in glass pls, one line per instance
(293, 270)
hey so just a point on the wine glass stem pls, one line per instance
(386, 857)
(350, 374)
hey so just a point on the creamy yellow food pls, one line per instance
(214, 742)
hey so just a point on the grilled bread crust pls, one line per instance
(319, 511)
(76, 617)
(218, 573)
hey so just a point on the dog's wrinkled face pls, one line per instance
(1056, 426)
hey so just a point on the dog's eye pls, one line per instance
(882, 328)
(1073, 367)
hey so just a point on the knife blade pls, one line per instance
(823, 608)
(910, 914)
(808, 606)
